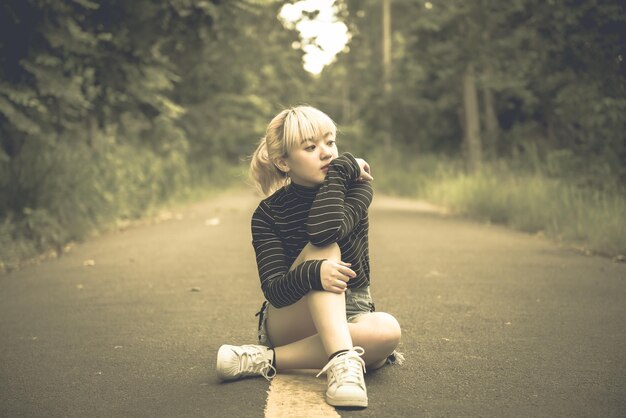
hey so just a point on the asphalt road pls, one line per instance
(495, 322)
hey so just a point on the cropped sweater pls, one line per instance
(295, 215)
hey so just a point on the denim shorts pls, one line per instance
(358, 302)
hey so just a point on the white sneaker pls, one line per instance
(346, 385)
(234, 362)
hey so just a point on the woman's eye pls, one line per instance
(310, 148)
(331, 143)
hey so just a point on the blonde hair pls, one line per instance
(289, 129)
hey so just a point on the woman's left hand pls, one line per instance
(366, 172)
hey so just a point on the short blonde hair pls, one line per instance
(289, 129)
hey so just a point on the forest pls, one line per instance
(508, 112)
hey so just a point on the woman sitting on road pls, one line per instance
(311, 241)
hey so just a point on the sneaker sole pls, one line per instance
(220, 372)
(346, 402)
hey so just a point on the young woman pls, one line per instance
(311, 242)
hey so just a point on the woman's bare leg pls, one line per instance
(306, 333)
(294, 322)
(377, 332)
(326, 311)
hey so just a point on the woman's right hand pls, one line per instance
(335, 275)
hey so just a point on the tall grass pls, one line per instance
(86, 191)
(524, 199)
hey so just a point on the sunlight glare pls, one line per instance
(331, 36)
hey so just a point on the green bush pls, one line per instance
(65, 190)
(535, 199)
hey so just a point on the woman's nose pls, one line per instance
(325, 151)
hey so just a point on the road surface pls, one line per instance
(495, 322)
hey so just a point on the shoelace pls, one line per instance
(256, 363)
(350, 363)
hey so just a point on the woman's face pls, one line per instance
(308, 162)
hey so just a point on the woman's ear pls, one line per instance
(282, 165)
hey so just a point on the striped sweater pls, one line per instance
(295, 215)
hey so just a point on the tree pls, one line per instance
(549, 75)
(107, 108)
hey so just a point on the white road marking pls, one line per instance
(298, 394)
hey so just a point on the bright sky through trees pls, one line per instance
(331, 36)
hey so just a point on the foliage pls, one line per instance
(109, 109)
(552, 74)
(584, 218)
(506, 193)
(555, 69)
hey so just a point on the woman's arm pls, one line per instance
(280, 286)
(340, 204)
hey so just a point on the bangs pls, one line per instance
(305, 123)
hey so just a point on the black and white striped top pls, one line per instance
(294, 215)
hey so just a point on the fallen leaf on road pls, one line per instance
(89, 263)
(195, 289)
(164, 216)
(212, 222)
(80, 287)
(434, 273)
(118, 346)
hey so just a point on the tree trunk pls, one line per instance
(92, 130)
(387, 71)
(387, 46)
(346, 111)
(472, 122)
(492, 127)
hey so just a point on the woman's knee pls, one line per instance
(392, 328)
(386, 330)
(313, 252)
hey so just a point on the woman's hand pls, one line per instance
(335, 275)
(366, 172)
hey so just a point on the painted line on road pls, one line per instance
(298, 394)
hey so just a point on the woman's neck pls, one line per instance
(304, 191)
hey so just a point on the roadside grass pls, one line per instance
(588, 219)
(41, 235)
